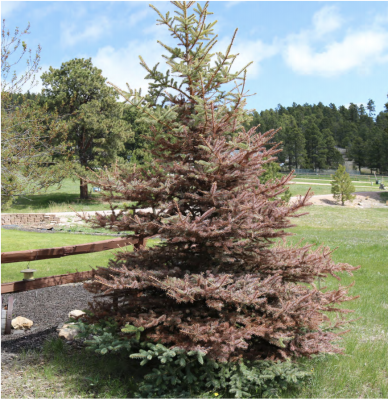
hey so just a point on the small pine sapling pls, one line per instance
(342, 186)
(221, 282)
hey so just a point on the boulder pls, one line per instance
(68, 331)
(21, 323)
(76, 314)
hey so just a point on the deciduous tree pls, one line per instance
(31, 136)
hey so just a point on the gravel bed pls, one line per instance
(48, 308)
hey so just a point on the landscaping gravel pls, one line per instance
(48, 308)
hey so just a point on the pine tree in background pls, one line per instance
(293, 142)
(357, 152)
(97, 131)
(221, 281)
(342, 186)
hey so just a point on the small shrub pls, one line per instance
(176, 373)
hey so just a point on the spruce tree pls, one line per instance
(342, 186)
(221, 281)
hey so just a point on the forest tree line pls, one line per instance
(311, 133)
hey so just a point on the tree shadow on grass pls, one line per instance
(45, 201)
(108, 376)
(61, 370)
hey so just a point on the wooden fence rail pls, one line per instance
(56, 252)
(40, 283)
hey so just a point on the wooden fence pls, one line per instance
(56, 252)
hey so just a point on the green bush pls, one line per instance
(176, 373)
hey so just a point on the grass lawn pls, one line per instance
(58, 200)
(361, 372)
(300, 189)
(361, 236)
(364, 177)
(13, 240)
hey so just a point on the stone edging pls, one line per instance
(29, 219)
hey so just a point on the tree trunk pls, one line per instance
(83, 187)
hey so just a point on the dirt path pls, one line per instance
(362, 200)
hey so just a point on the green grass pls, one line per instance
(66, 198)
(301, 189)
(384, 196)
(356, 183)
(61, 371)
(13, 240)
(361, 236)
(362, 177)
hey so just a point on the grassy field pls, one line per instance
(66, 198)
(361, 236)
(300, 188)
(13, 240)
(363, 177)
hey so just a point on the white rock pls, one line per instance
(76, 313)
(68, 331)
(21, 323)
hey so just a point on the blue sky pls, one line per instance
(303, 52)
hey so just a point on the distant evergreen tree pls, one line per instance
(371, 108)
(293, 143)
(333, 156)
(315, 144)
(357, 152)
(342, 186)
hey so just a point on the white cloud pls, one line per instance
(8, 7)
(358, 50)
(137, 16)
(93, 30)
(327, 20)
(122, 65)
(381, 19)
(229, 4)
(249, 50)
(44, 11)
